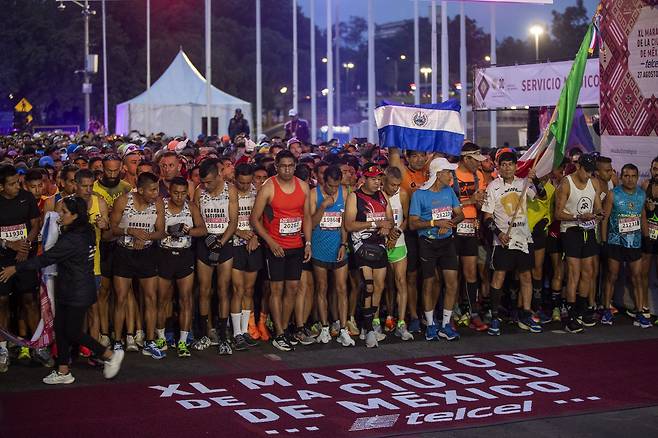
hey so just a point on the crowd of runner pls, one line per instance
(225, 243)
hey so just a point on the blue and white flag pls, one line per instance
(427, 128)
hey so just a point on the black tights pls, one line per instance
(68, 331)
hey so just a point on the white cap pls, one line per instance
(292, 112)
(436, 166)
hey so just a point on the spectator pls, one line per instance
(238, 125)
(296, 127)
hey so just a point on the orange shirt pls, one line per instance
(467, 188)
(413, 179)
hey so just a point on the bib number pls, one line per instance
(331, 220)
(629, 224)
(243, 223)
(466, 228)
(588, 225)
(216, 225)
(653, 231)
(13, 233)
(289, 226)
(442, 213)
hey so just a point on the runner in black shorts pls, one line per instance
(649, 228)
(137, 219)
(247, 259)
(176, 262)
(369, 219)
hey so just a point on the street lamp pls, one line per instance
(348, 66)
(283, 90)
(403, 57)
(536, 31)
(324, 60)
(487, 58)
(425, 71)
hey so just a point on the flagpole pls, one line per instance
(208, 66)
(416, 56)
(371, 74)
(445, 60)
(462, 67)
(295, 62)
(314, 92)
(433, 49)
(259, 75)
(493, 116)
(330, 77)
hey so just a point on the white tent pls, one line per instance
(178, 104)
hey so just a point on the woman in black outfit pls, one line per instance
(75, 289)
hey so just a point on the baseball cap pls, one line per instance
(130, 148)
(293, 141)
(436, 166)
(72, 148)
(371, 170)
(46, 161)
(473, 154)
(292, 112)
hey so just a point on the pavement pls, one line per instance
(138, 368)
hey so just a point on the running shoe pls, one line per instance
(345, 339)
(105, 340)
(281, 343)
(564, 313)
(290, 338)
(224, 348)
(587, 320)
(477, 324)
(414, 325)
(402, 332)
(641, 321)
(171, 339)
(55, 378)
(494, 327)
(646, 312)
(390, 324)
(24, 354)
(214, 337)
(606, 318)
(377, 325)
(84, 351)
(529, 324)
(573, 326)
(263, 331)
(352, 327)
(556, 315)
(42, 356)
(371, 339)
(315, 330)
(448, 333)
(4, 360)
(239, 343)
(202, 343)
(324, 337)
(131, 345)
(335, 329)
(249, 340)
(303, 338)
(252, 328)
(117, 345)
(161, 343)
(630, 313)
(431, 333)
(543, 318)
(150, 349)
(182, 350)
(139, 338)
(464, 321)
(111, 367)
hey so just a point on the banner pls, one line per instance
(629, 82)
(519, 86)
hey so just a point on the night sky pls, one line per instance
(511, 19)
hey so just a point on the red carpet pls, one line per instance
(376, 399)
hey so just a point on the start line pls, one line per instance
(409, 396)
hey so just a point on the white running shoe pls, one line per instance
(371, 339)
(402, 333)
(139, 338)
(55, 378)
(214, 337)
(4, 360)
(345, 339)
(131, 345)
(113, 365)
(105, 340)
(324, 337)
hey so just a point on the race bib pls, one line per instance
(381, 216)
(216, 225)
(331, 220)
(243, 223)
(629, 224)
(588, 225)
(290, 225)
(653, 231)
(396, 216)
(466, 228)
(442, 213)
(13, 233)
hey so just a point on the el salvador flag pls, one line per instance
(428, 128)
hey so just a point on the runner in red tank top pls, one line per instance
(281, 214)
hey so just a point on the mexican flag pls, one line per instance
(548, 151)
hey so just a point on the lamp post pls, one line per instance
(537, 31)
(348, 66)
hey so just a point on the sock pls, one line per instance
(183, 336)
(222, 328)
(581, 305)
(203, 325)
(472, 293)
(496, 295)
(368, 315)
(429, 317)
(514, 291)
(160, 333)
(376, 321)
(571, 310)
(555, 297)
(486, 303)
(447, 314)
(244, 320)
(169, 324)
(536, 293)
(236, 321)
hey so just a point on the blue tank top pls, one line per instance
(326, 235)
(624, 227)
